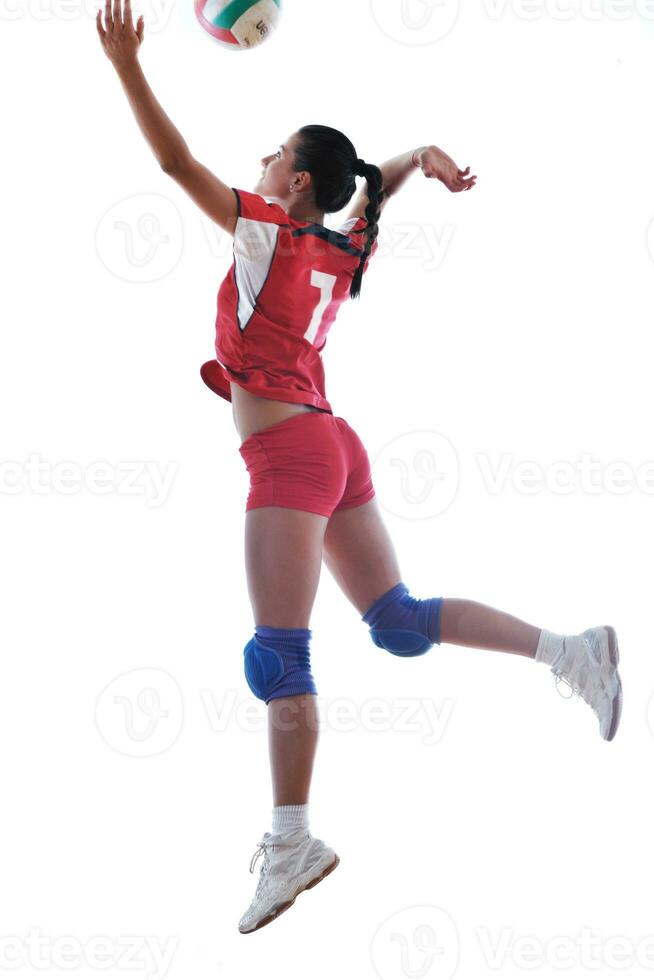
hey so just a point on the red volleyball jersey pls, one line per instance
(278, 301)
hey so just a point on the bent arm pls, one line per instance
(213, 196)
(432, 161)
(395, 173)
(397, 170)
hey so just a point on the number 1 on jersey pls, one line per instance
(325, 283)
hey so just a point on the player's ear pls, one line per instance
(301, 182)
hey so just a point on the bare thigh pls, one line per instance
(283, 557)
(359, 553)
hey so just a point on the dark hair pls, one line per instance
(330, 158)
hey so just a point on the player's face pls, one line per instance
(278, 173)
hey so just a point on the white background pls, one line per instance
(132, 810)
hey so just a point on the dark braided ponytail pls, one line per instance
(375, 192)
(329, 156)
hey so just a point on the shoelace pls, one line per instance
(573, 685)
(269, 841)
(261, 849)
(574, 689)
(263, 878)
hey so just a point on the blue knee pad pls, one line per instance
(277, 663)
(403, 625)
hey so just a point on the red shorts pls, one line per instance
(311, 461)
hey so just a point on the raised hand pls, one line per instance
(435, 163)
(120, 40)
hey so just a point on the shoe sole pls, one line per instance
(616, 708)
(286, 905)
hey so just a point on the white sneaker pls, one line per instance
(588, 664)
(291, 863)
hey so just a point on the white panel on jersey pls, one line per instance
(348, 226)
(254, 248)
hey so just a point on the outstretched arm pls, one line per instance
(432, 161)
(121, 42)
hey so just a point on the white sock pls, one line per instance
(288, 819)
(550, 646)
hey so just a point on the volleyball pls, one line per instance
(239, 24)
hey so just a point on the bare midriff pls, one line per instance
(251, 413)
